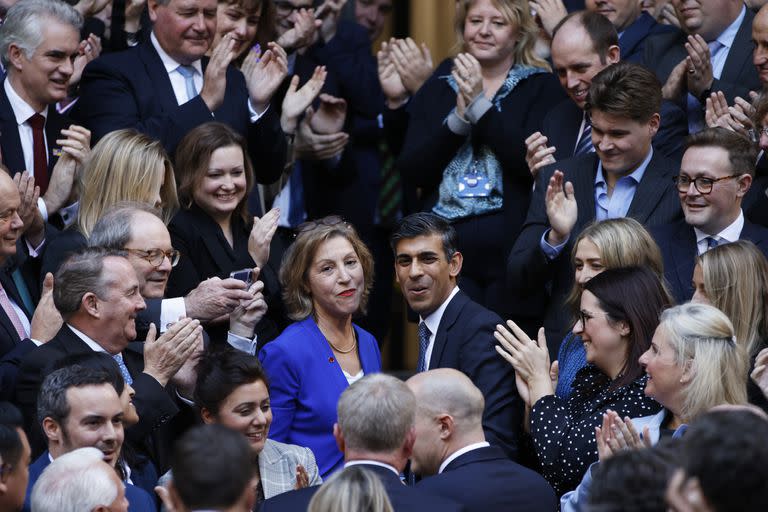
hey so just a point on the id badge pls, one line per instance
(474, 185)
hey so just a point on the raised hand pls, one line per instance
(537, 153)
(88, 50)
(75, 149)
(302, 478)
(215, 80)
(699, 77)
(260, 238)
(296, 101)
(304, 30)
(468, 76)
(529, 358)
(329, 13)
(668, 16)
(165, 355)
(47, 320)
(675, 85)
(550, 12)
(316, 146)
(562, 210)
(391, 83)
(264, 74)
(330, 116)
(28, 194)
(413, 63)
(244, 317)
(215, 298)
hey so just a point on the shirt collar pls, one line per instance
(459, 453)
(87, 340)
(433, 319)
(729, 234)
(371, 463)
(21, 109)
(636, 175)
(168, 62)
(727, 36)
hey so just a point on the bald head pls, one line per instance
(448, 391)
(10, 222)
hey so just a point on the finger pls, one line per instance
(647, 442)
(632, 431)
(177, 327)
(151, 333)
(504, 354)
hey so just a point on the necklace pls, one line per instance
(347, 351)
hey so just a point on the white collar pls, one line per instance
(371, 463)
(433, 319)
(22, 111)
(729, 234)
(168, 62)
(87, 340)
(459, 453)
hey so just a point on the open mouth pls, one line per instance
(347, 293)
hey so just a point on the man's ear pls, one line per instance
(51, 429)
(447, 426)
(410, 440)
(454, 264)
(614, 55)
(152, 6)
(745, 183)
(16, 57)
(339, 437)
(90, 303)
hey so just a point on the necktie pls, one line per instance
(423, 344)
(40, 171)
(390, 193)
(10, 312)
(695, 107)
(123, 369)
(712, 242)
(188, 72)
(584, 145)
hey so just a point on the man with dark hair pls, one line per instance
(14, 458)
(624, 177)
(212, 469)
(583, 44)
(716, 173)
(454, 331)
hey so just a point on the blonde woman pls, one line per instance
(353, 489)
(465, 143)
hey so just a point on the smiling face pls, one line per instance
(130, 415)
(286, 12)
(149, 233)
(10, 222)
(760, 45)
(184, 28)
(707, 18)
(247, 410)
(621, 143)
(118, 308)
(489, 36)
(605, 341)
(621, 13)
(224, 184)
(665, 375)
(241, 22)
(335, 279)
(588, 262)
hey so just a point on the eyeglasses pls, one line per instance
(703, 184)
(155, 257)
(285, 8)
(755, 133)
(586, 315)
(331, 220)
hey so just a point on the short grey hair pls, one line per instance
(23, 24)
(376, 413)
(52, 399)
(114, 228)
(78, 275)
(75, 482)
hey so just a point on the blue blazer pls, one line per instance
(305, 382)
(138, 499)
(632, 40)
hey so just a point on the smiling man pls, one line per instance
(454, 331)
(717, 171)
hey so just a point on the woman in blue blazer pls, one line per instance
(326, 277)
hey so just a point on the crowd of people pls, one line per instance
(207, 204)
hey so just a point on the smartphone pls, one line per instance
(245, 275)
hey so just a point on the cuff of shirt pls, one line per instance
(255, 116)
(170, 311)
(458, 125)
(478, 108)
(551, 251)
(43, 209)
(185, 400)
(242, 344)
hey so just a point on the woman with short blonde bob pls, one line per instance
(326, 276)
(353, 489)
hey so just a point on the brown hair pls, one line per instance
(600, 30)
(742, 153)
(626, 90)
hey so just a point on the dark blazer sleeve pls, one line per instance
(9, 368)
(59, 248)
(184, 276)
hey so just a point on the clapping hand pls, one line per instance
(413, 63)
(297, 100)
(330, 115)
(469, 80)
(537, 153)
(562, 210)
(529, 358)
(260, 238)
(264, 74)
(616, 435)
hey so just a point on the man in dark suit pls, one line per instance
(375, 430)
(712, 53)
(450, 444)
(97, 294)
(15, 455)
(717, 171)
(454, 331)
(624, 177)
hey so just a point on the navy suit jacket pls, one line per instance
(678, 248)
(9, 337)
(632, 40)
(562, 123)
(138, 499)
(402, 497)
(484, 480)
(530, 272)
(464, 341)
(131, 89)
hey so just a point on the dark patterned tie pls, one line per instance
(423, 344)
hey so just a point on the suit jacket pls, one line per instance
(664, 51)
(464, 341)
(484, 479)
(9, 337)
(131, 89)
(530, 272)
(678, 248)
(402, 497)
(138, 499)
(304, 388)
(632, 40)
(154, 405)
(562, 123)
(10, 143)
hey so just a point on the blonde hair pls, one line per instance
(350, 490)
(298, 258)
(702, 336)
(123, 166)
(622, 242)
(736, 282)
(518, 14)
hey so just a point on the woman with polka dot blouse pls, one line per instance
(619, 312)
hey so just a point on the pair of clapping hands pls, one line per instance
(403, 67)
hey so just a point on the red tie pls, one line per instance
(37, 122)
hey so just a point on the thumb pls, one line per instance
(294, 84)
(151, 333)
(554, 370)
(48, 283)
(568, 189)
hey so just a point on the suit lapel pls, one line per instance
(583, 180)
(450, 315)
(684, 253)
(156, 70)
(741, 49)
(212, 237)
(650, 190)
(54, 123)
(13, 156)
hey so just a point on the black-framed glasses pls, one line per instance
(286, 8)
(155, 257)
(331, 220)
(586, 315)
(703, 184)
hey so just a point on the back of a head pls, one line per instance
(728, 453)
(449, 391)
(212, 467)
(351, 490)
(78, 481)
(376, 413)
(626, 90)
(10, 442)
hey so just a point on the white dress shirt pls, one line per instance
(459, 453)
(729, 234)
(433, 322)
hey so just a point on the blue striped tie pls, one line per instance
(123, 369)
(584, 145)
(188, 72)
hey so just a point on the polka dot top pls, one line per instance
(563, 430)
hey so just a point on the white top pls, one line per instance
(351, 379)
(729, 234)
(372, 463)
(22, 112)
(433, 323)
(177, 80)
(461, 452)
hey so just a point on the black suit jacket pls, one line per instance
(562, 123)
(464, 341)
(530, 272)
(632, 40)
(154, 405)
(678, 248)
(664, 51)
(484, 480)
(131, 89)
(403, 498)
(9, 338)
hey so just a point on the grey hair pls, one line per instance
(114, 228)
(376, 413)
(23, 24)
(75, 482)
(355, 488)
(52, 398)
(78, 275)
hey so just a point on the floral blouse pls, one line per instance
(563, 430)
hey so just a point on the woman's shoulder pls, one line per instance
(293, 338)
(275, 449)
